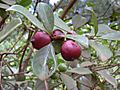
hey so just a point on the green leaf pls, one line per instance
(40, 85)
(27, 14)
(4, 6)
(80, 70)
(112, 36)
(94, 21)
(9, 28)
(39, 63)
(105, 74)
(25, 2)
(80, 39)
(78, 21)
(60, 23)
(86, 64)
(68, 81)
(9, 2)
(104, 29)
(103, 52)
(46, 15)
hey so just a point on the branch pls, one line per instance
(8, 53)
(26, 62)
(24, 50)
(67, 8)
(3, 21)
(56, 6)
(36, 6)
(1, 61)
(105, 67)
(107, 9)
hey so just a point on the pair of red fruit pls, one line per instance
(70, 50)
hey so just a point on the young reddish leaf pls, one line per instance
(68, 81)
(105, 74)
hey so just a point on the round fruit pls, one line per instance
(72, 32)
(62, 67)
(70, 50)
(57, 34)
(40, 39)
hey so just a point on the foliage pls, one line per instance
(97, 24)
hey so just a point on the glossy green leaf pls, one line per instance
(80, 39)
(9, 28)
(60, 23)
(112, 36)
(103, 52)
(106, 75)
(27, 14)
(25, 2)
(46, 16)
(68, 81)
(80, 70)
(39, 63)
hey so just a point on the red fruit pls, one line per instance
(40, 39)
(70, 50)
(72, 32)
(57, 34)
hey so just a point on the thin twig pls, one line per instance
(17, 40)
(56, 6)
(8, 53)
(67, 8)
(107, 9)
(1, 71)
(24, 50)
(36, 6)
(15, 74)
(105, 67)
(25, 63)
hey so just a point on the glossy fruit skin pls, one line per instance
(72, 32)
(70, 50)
(57, 34)
(40, 39)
